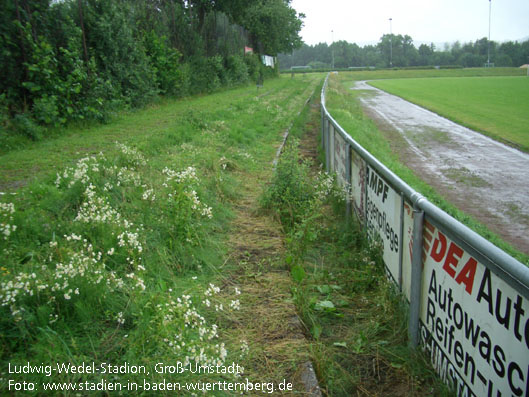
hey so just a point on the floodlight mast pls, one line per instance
(390, 44)
(488, 43)
(332, 49)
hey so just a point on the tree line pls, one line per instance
(70, 60)
(399, 51)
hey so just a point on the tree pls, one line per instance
(403, 53)
(426, 54)
(273, 26)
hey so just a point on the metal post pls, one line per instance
(322, 128)
(401, 242)
(348, 182)
(416, 278)
(331, 149)
(366, 184)
(327, 145)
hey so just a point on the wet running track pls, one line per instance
(482, 177)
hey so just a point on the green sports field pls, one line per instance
(496, 106)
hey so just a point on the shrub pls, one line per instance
(164, 61)
(237, 70)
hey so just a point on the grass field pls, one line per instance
(420, 73)
(157, 128)
(496, 106)
(343, 104)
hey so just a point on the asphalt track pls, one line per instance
(479, 175)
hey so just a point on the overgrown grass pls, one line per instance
(354, 319)
(346, 109)
(495, 106)
(121, 256)
(164, 125)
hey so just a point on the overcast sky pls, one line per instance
(438, 21)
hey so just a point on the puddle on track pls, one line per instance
(482, 177)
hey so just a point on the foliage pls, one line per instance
(164, 61)
(296, 196)
(77, 60)
(86, 244)
(401, 52)
(289, 194)
(356, 320)
(236, 69)
(273, 25)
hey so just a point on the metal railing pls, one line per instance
(464, 293)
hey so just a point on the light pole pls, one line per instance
(332, 49)
(390, 44)
(488, 43)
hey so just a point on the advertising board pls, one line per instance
(383, 218)
(340, 158)
(474, 325)
(358, 184)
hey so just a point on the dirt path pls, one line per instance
(482, 177)
(268, 317)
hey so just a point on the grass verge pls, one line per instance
(354, 320)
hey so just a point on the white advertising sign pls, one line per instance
(331, 148)
(358, 183)
(383, 207)
(474, 326)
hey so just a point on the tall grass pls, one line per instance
(115, 252)
(355, 320)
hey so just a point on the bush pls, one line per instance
(237, 70)
(205, 74)
(25, 125)
(254, 66)
(164, 61)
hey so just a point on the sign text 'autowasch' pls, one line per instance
(475, 325)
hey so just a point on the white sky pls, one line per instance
(438, 21)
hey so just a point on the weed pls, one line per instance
(351, 312)
(120, 256)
